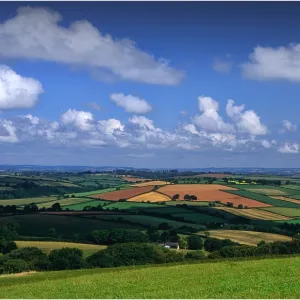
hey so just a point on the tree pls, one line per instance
(163, 226)
(175, 197)
(229, 204)
(183, 243)
(66, 258)
(52, 232)
(186, 197)
(240, 206)
(193, 197)
(195, 242)
(56, 207)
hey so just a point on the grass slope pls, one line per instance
(265, 278)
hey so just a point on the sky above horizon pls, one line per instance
(153, 84)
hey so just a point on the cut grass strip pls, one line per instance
(254, 214)
(284, 211)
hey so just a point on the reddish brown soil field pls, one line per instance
(209, 192)
(134, 179)
(124, 194)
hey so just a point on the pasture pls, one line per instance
(62, 202)
(151, 196)
(83, 204)
(153, 182)
(251, 238)
(261, 279)
(264, 199)
(24, 201)
(254, 214)
(286, 199)
(123, 194)
(285, 211)
(209, 192)
(47, 246)
(38, 225)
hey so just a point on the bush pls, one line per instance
(66, 258)
(130, 254)
(10, 247)
(13, 266)
(212, 244)
(195, 242)
(195, 255)
(28, 254)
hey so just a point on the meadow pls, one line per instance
(262, 278)
(47, 246)
(251, 238)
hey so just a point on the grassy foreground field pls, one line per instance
(264, 278)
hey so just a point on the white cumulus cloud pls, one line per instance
(267, 63)
(17, 91)
(287, 126)
(290, 148)
(81, 119)
(109, 126)
(35, 33)
(246, 121)
(210, 119)
(8, 132)
(131, 104)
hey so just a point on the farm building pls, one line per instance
(170, 245)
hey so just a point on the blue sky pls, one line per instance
(150, 84)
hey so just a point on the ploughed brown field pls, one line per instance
(134, 179)
(124, 194)
(209, 192)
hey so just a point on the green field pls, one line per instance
(84, 203)
(198, 218)
(130, 205)
(296, 197)
(144, 220)
(47, 246)
(63, 202)
(189, 203)
(264, 199)
(24, 201)
(66, 226)
(285, 211)
(291, 187)
(86, 194)
(261, 279)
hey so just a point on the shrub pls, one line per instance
(128, 254)
(28, 254)
(195, 242)
(14, 266)
(66, 258)
(195, 255)
(10, 247)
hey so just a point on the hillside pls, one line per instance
(265, 278)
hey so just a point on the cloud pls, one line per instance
(94, 106)
(35, 33)
(210, 120)
(267, 63)
(287, 126)
(17, 91)
(7, 132)
(266, 144)
(131, 104)
(109, 126)
(142, 122)
(289, 148)
(81, 119)
(222, 66)
(183, 113)
(32, 119)
(246, 121)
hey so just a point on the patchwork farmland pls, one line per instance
(209, 192)
(123, 194)
(151, 196)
